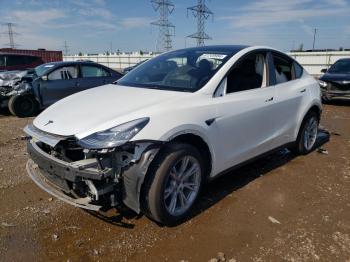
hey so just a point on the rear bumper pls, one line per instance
(37, 176)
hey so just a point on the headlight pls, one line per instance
(322, 83)
(115, 136)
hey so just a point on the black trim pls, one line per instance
(271, 70)
(251, 160)
(210, 121)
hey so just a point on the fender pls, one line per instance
(314, 103)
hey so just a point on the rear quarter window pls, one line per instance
(283, 68)
(298, 70)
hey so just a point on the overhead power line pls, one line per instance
(166, 28)
(202, 13)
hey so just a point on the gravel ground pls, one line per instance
(279, 208)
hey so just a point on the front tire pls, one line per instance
(307, 135)
(23, 106)
(173, 183)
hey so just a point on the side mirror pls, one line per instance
(324, 70)
(44, 78)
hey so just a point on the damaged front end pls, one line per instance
(89, 178)
(14, 83)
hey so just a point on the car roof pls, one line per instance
(218, 48)
(344, 59)
(63, 63)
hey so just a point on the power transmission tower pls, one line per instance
(202, 13)
(166, 28)
(313, 44)
(66, 48)
(10, 34)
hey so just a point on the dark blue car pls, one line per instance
(50, 82)
(335, 83)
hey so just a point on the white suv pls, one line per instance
(153, 138)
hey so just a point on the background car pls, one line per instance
(128, 69)
(154, 137)
(9, 62)
(335, 83)
(50, 82)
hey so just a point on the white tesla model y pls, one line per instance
(153, 138)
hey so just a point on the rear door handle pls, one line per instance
(269, 100)
(303, 91)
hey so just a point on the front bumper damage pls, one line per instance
(85, 178)
(13, 84)
(336, 91)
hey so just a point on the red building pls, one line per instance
(45, 55)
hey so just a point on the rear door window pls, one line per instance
(93, 71)
(64, 73)
(283, 68)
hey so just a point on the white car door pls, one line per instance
(246, 118)
(289, 97)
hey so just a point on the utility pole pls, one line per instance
(166, 28)
(313, 44)
(202, 13)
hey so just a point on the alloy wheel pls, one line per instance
(310, 133)
(182, 185)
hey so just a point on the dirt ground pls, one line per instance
(279, 208)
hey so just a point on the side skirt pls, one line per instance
(244, 163)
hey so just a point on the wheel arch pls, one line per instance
(187, 138)
(315, 107)
(201, 145)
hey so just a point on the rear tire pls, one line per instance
(307, 135)
(173, 184)
(23, 106)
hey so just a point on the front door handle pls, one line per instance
(303, 91)
(269, 100)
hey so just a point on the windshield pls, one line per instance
(184, 70)
(341, 67)
(42, 69)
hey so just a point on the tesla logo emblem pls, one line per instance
(49, 122)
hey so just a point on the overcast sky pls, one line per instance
(91, 26)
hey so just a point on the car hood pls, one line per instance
(335, 77)
(101, 108)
